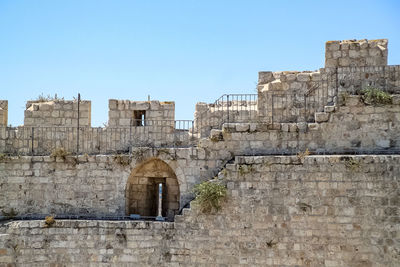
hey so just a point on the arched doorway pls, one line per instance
(142, 188)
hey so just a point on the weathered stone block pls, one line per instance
(303, 77)
(274, 86)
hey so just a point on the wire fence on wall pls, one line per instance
(282, 106)
(44, 140)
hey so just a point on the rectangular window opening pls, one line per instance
(139, 118)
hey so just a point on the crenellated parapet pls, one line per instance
(134, 113)
(57, 113)
(3, 112)
(356, 53)
(350, 67)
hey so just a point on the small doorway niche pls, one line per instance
(139, 117)
(142, 190)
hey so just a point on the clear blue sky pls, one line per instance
(187, 51)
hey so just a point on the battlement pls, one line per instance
(126, 112)
(3, 112)
(57, 113)
(282, 97)
(356, 53)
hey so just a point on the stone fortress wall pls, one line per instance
(280, 211)
(96, 185)
(287, 210)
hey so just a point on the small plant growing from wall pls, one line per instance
(49, 221)
(3, 157)
(59, 152)
(302, 155)
(375, 96)
(123, 160)
(245, 168)
(11, 214)
(351, 163)
(43, 98)
(209, 196)
(343, 96)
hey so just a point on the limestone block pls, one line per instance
(285, 127)
(140, 105)
(155, 105)
(374, 52)
(112, 104)
(344, 46)
(55, 114)
(290, 77)
(242, 127)
(354, 53)
(330, 63)
(124, 122)
(332, 45)
(344, 62)
(229, 127)
(329, 109)
(313, 126)
(46, 106)
(295, 85)
(363, 44)
(316, 76)
(201, 107)
(265, 77)
(336, 54)
(396, 99)
(274, 86)
(383, 143)
(293, 127)
(303, 77)
(321, 117)
(352, 101)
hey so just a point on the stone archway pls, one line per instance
(141, 189)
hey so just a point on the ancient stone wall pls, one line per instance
(351, 67)
(280, 211)
(351, 128)
(292, 96)
(3, 113)
(57, 113)
(98, 185)
(126, 113)
(353, 80)
(356, 53)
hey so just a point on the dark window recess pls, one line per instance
(139, 117)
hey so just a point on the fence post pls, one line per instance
(305, 108)
(272, 108)
(227, 105)
(32, 139)
(77, 129)
(130, 137)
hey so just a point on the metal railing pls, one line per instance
(227, 108)
(43, 140)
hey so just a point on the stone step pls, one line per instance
(321, 117)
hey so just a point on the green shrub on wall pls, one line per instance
(209, 196)
(375, 96)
